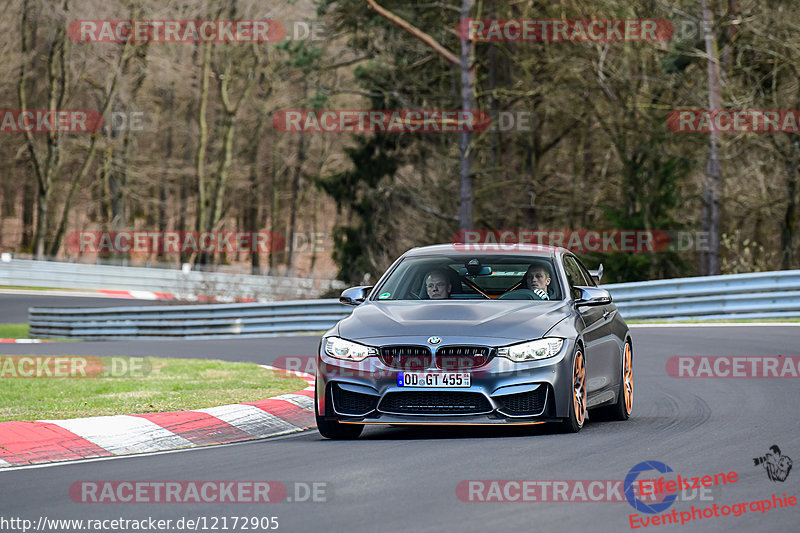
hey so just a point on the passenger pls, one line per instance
(537, 279)
(437, 285)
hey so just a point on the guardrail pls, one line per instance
(756, 295)
(182, 284)
(188, 321)
(759, 295)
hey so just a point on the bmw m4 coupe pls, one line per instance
(492, 335)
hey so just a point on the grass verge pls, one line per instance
(14, 331)
(160, 384)
(22, 331)
(26, 288)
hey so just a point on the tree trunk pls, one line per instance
(163, 186)
(465, 63)
(28, 203)
(314, 230)
(790, 215)
(213, 192)
(465, 214)
(119, 180)
(46, 170)
(202, 141)
(731, 32)
(183, 205)
(221, 177)
(80, 176)
(494, 107)
(252, 210)
(42, 217)
(185, 187)
(251, 219)
(712, 192)
(8, 190)
(105, 202)
(274, 197)
(298, 172)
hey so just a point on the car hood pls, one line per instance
(508, 319)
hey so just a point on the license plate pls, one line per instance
(439, 379)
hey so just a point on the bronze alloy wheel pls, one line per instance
(627, 378)
(622, 408)
(577, 400)
(579, 388)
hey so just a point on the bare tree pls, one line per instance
(45, 166)
(465, 62)
(712, 192)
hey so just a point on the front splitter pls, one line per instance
(448, 421)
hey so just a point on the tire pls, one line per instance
(624, 406)
(577, 397)
(333, 429)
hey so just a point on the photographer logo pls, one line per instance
(777, 466)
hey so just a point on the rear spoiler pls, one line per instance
(597, 275)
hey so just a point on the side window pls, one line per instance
(574, 275)
(589, 279)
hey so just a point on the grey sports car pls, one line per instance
(461, 334)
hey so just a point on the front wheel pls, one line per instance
(333, 429)
(577, 403)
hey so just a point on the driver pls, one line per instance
(537, 279)
(437, 285)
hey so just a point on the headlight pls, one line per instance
(349, 351)
(532, 351)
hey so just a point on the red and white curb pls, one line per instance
(22, 341)
(136, 295)
(90, 293)
(45, 441)
(147, 295)
(139, 295)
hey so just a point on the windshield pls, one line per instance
(459, 277)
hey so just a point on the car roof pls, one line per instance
(486, 249)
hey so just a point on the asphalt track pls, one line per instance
(400, 479)
(14, 307)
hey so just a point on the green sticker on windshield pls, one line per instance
(384, 295)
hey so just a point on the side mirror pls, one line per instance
(597, 275)
(592, 296)
(355, 295)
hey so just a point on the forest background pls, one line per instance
(189, 142)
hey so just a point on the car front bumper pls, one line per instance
(501, 391)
